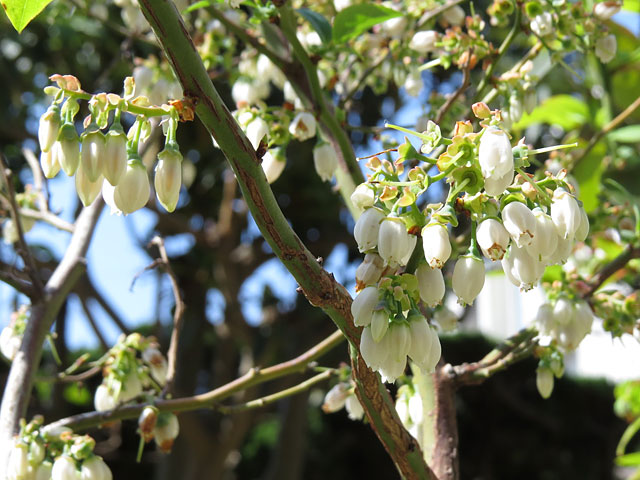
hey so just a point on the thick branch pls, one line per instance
(16, 278)
(319, 286)
(618, 263)
(20, 381)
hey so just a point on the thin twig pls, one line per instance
(16, 278)
(435, 12)
(269, 399)
(25, 253)
(209, 399)
(94, 324)
(48, 217)
(618, 263)
(178, 314)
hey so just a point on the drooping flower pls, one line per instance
(430, 285)
(606, 10)
(522, 269)
(366, 229)
(492, 238)
(468, 278)
(325, 161)
(168, 178)
(436, 244)
(48, 128)
(67, 149)
(369, 271)
(519, 222)
(354, 408)
(256, 130)
(115, 156)
(542, 24)
(335, 398)
(273, 163)
(363, 196)
(303, 126)
(494, 153)
(395, 244)
(565, 213)
(606, 48)
(545, 242)
(94, 468)
(166, 431)
(93, 154)
(64, 468)
(424, 41)
(132, 192)
(363, 305)
(544, 382)
(86, 189)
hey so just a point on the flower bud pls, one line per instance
(49, 162)
(606, 48)
(424, 41)
(363, 305)
(394, 242)
(565, 213)
(86, 189)
(325, 161)
(115, 156)
(94, 468)
(468, 279)
(168, 178)
(37, 452)
(542, 25)
(394, 27)
(256, 130)
(18, 463)
(64, 468)
(104, 399)
(369, 271)
(363, 196)
(354, 408)
(273, 163)
(367, 228)
(494, 153)
(303, 126)
(544, 382)
(606, 10)
(166, 431)
(454, 15)
(519, 222)
(436, 245)
(430, 285)
(147, 423)
(67, 149)
(48, 128)
(481, 110)
(335, 398)
(521, 268)
(132, 191)
(93, 154)
(583, 228)
(379, 325)
(493, 239)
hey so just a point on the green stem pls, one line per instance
(627, 436)
(431, 64)
(551, 149)
(453, 193)
(442, 175)
(126, 107)
(537, 187)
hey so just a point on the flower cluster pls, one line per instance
(109, 163)
(11, 335)
(163, 427)
(410, 409)
(564, 322)
(41, 453)
(340, 396)
(525, 223)
(132, 367)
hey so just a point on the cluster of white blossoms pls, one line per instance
(41, 453)
(527, 224)
(342, 396)
(11, 335)
(109, 162)
(132, 367)
(410, 409)
(163, 427)
(564, 322)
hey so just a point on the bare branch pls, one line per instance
(618, 263)
(16, 278)
(94, 324)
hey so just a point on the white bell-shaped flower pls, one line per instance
(606, 10)
(519, 222)
(562, 252)
(394, 27)
(157, 363)
(492, 238)
(132, 192)
(244, 93)
(583, 228)
(115, 156)
(325, 160)
(494, 153)
(131, 387)
(64, 468)
(373, 353)
(379, 325)
(335, 398)
(48, 128)
(430, 285)
(256, 130)
(18, 464)
(67, 149)
(544, 382)
(94, 468)
(424, 41)
(104, 399)
(565, 213)
(399, 340)
(542, 25)
(354, 408)
(563, 311)
(435, 352)
(43, 471)
(436, 244)
(363, 305)
(166, 431)
(10, 342)
(394, 242)
(392, 369)
(495, 186)
(49, 162)
(545, 320)
(606, 48)
(168, 178)
(421, 341)
(273, 163)
(545, 242)
(303, 126)
(520, 266)
(93, 154)
(367, 228)
(454, 15)
(86, 189)
(468, 278)
(369, 271)
(363, 196)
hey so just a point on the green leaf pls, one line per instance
(318, 22)
(564, 110)
(21, 12)
(629, 460)
(628, 134)
(588, 173)
(77, 395)
(631, 5)
(196, 6)
(353, 20)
